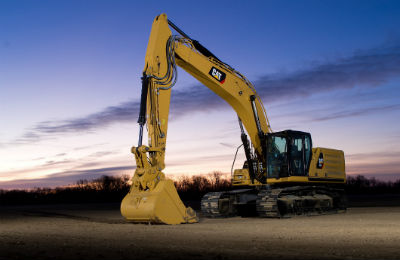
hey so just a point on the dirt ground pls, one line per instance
(99, 232)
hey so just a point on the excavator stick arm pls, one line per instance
(152, 198)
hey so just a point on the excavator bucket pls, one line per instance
(161, 205)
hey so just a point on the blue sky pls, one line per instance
(70, 83)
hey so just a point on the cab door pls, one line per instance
(300, 154)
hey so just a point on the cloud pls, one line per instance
(102, 153)
(228, 145)
(356, 112)
(28, 137)
(368, 68)
(373, 167)
(49, 164)
(53, 163)
(364, 68)
(125, 112)
(380, 164)
(66, 178)
(373, 156)
(60, 163)
(88, 146)
(37, 159)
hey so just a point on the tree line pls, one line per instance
(113, 189)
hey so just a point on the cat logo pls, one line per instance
(218, 75)
(320, 163)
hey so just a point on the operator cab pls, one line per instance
(288, 154)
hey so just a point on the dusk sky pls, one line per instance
(70, 84)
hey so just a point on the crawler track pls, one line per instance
(277, 202)
(210, 205)
(267, 203)
(300, 200)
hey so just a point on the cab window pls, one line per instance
(297, 156)
(277, 157)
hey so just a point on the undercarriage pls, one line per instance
(274, 202)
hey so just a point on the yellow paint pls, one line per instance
(152, 198)
(332, 172)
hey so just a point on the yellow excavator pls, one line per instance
(283, 175)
